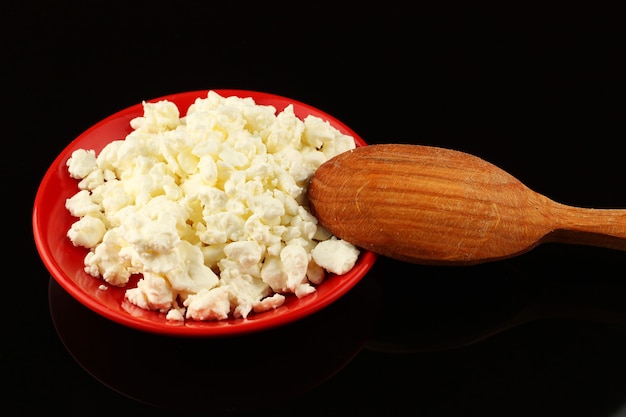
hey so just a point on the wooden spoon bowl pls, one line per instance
(431, 205)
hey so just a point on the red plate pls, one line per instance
(64, 261)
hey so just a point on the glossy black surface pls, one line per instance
(538, 91)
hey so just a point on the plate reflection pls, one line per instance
(224, 374)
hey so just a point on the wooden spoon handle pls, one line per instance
(587, 226)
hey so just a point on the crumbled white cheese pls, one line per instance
(82, 163)
(335, 255)
(209, 208)
(87, 231)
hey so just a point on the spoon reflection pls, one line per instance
(448, 308)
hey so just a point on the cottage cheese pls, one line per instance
(210, 208)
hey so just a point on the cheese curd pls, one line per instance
(209, 208)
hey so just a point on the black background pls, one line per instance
(537, 89)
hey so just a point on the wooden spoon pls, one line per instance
(429, 205)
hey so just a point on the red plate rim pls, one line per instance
(101, 302)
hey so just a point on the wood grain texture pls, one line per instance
(432, 205)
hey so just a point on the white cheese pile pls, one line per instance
(209, 208)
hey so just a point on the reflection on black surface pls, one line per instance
(541, 335)
(451, 307)
(220, 374)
